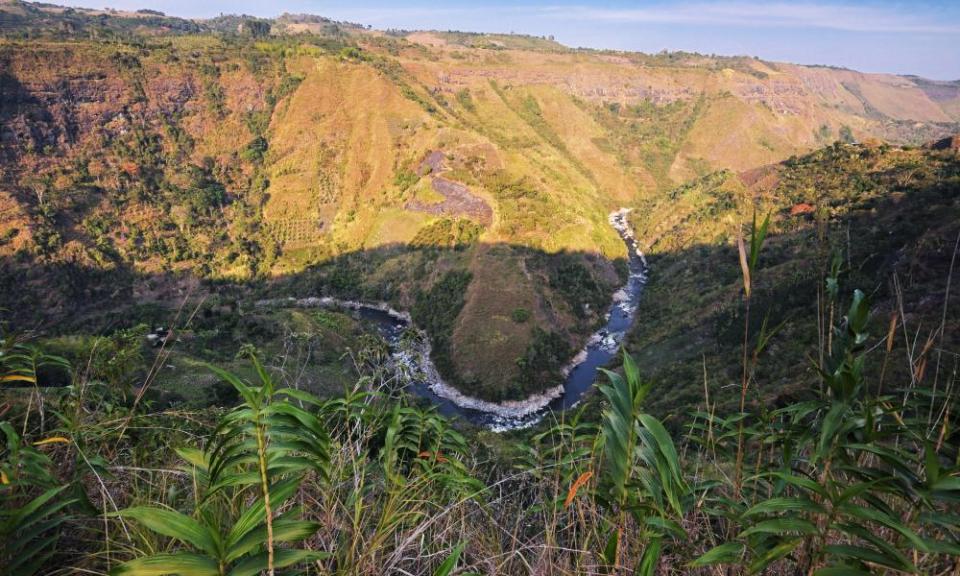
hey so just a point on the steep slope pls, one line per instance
(886, 219)
(165, 159)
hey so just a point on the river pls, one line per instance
(412, 355)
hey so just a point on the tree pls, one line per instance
(846, 135)
(256, 28)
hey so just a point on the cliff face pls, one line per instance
(159, 156)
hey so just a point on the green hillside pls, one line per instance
(148, 158)
(193, 211)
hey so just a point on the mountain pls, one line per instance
(216, 236)
(145, 158)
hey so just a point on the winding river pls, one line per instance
(413, 354)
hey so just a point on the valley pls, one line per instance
(212, 159)
(297, 295)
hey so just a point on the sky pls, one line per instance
(904, 37)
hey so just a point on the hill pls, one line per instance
(880, 218)
(148, 158)
(192, 211)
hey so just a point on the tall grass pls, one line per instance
(858, 477)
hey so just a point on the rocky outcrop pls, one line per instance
(458, 200)
(948, 143)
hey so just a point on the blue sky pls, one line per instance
(873, 36)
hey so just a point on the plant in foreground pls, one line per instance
(851, 486)
(260, 453)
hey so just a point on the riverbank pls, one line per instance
(425, 380)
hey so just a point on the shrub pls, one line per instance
(436, 311)
(404, 179)
(520, 315)
(466, 100)
(255, 150)
(542, 361)
(448, 233)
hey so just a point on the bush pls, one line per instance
(542, 361)
(520, 315)
(448, 233)
(404, 179)
(466, 100)
(436, 311)
(576, 285)
(255, 150)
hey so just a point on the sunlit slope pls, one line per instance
(697, 113)
(519, 157)
(342, 144)
(335, 148)
(228, 158)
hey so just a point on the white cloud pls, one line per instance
(909, 17)
(762, 14)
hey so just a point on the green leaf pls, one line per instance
(255, 514)
(726, 553)
(932, 463)
(610, 551)
(174, 525)
(26, 560)
(879, 517)
(23, 514)
(798, 481)
(828, 432)
(450, 562)
(946, 484)
(785, 504)
(282, 558)
(619, 434)
(857, 316)
(283, 531)
(776, 553)
(868, 555)
(782, 525)
(663, 525)
(841, 571)
(650, 558)
(247, 392)
(267, 390)
(300, 395)
(181, 564)
(194, 457)
(664, 444)
(632, 373)
(757, 237)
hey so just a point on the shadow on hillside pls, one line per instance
(53, 297)
(14, 98)
(689, 326)
(546, 307)
(689, 333)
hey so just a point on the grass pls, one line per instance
(606, 486)
(687, 326)
(551, 139)
(648, 136)
(392, 486)
(322, 340)
(556, 141)
(394, 226)
(485, 335)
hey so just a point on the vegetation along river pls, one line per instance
(412, 354)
